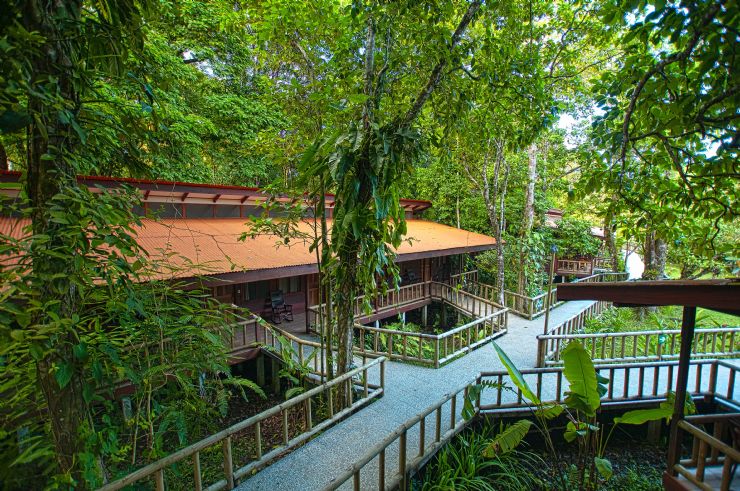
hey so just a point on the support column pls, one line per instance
(687, 338)
(275, 366)
(261, 370)
(424, 314)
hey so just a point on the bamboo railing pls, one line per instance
(391, 301)
(491, 320)
(547, 344)
(412, 445)
(525, 306)
(429, 349)
(252, 428)
(709, 450)
(627, 382)
(445, 421)
(645, 345)
(573, 266)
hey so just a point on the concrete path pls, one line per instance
(409, 389)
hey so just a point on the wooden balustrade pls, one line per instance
(709, 450)
(547, 343)
(645, 345)
(627, 382)
(190, 456)
(429, 349)
(418, 441)
(643, 383)
(573, 266)
(528, 307)
(392, 300)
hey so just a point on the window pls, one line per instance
(290, 285)
(258, 290)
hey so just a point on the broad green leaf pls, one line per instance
(550, 412)
(583, 394)
(64, 374)
(509, 439)
(604, 467)
(516, 376)
(640, 416)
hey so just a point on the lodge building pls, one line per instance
(198, 226)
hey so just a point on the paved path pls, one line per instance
(409, 389)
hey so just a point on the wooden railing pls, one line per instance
(412, 444)
(356, 384)
(627, 382)
(429, 349)
(391, 301)
(490, 321)
(709, 450)
(463, 300)
(603, 263)
(528, 307)
(417, 440)
(548, 345)
(573, 266)
(645, 345)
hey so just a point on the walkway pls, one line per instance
(409, 389)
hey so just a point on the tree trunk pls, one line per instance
(4, 158)
(347, 285)
(528, 216)
(494, 194)
(50, 145)
(610, 237)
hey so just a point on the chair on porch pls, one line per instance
(279, 309)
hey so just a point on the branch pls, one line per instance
(436, 76)
(673, 58)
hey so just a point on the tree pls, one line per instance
(668, 136)
(366, 161)
(79, 309)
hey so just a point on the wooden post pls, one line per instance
(687, 336)
(261, 370)
(275, 377)
(549, 290)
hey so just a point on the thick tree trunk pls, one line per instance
(347, 285)
(50, 145)
(3, 158)
(528, 216)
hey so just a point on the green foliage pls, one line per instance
(293, 371)
(582, 401)
(584, 393)
(508, 439)
(162, 340)
(667, 136)
(462, 464)
(574, 238)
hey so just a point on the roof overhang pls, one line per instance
(160, 191)
(720, 295)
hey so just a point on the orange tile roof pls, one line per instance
(208, 246)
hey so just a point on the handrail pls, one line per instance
(707, 449)
(432, 349)
(644, 345)
(443, 432)
(546, 346)
(409, 462)
(523, 305)
(224, 437)
(627, 382)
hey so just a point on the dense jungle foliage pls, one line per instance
(623, 113)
